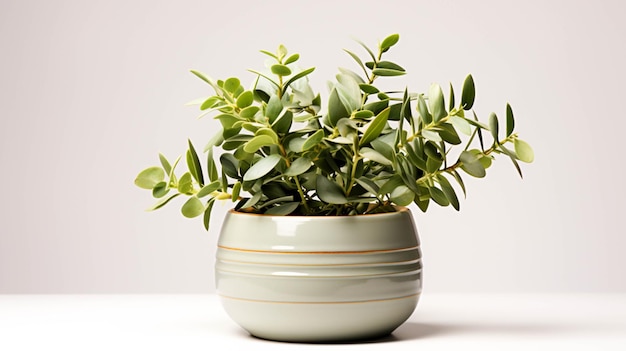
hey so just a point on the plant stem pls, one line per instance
(297, 181)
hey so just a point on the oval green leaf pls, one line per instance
(468, 94)
(282, 209)
(493, 127)
(313, 140)
(524, 151)
(436, 102)
(280, 70)
(510, 121)
(402, 195)
(298, 167)
(329, 191)
(389, 42)
(192, 207)
(231, 85)
(245, 99)
(209, 188)
(150, 177)
(160, 190)
(375, 127)
(262, 167)
(387, 72)
(291, 59)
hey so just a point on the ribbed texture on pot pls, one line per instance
(286, 265)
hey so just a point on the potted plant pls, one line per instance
(319, 245)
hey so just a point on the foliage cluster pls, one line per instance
(284, 152)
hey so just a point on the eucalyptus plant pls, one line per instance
(283, 151)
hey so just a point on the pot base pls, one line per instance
(320, 322)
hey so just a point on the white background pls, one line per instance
(91, 91)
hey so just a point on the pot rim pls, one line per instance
(399, 209)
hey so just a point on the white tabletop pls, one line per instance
(197, 322)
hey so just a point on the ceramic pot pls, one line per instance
(319, 279)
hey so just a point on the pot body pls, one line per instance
(319, 279)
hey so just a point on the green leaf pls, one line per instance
(387, 72)
(439, 196)
(364, 114)
(402, 196)
(448, 190)
(269, 132)
(262, 167)
(422, 108)
(375, 127)
(150, 177)
(368, 88)
(230, 165)
(253, 200)
(313, 140)
(282, 124)
(336, 108)
(231, 85)
(461, 125)
(291, 59)
(377, 106)
(449, 134)
(236, 191)
(166, 165)
(185, 185)
(431, 135)
(422, 204)
(375, 156)
(280, 70)
(389, 42)
(390, 65)
(192, 207)
(249, 112)
(298, 167)
(201, 76)
(459, 180)
(433, 164)
(160, 190)
(266, 77)
(329, 191)
(207, 214)
(357, 59)
(162, 202)
(258, 142)
(368, 185)
(274, 107)
(479, 131)
(282, 209)
(384, 148)
(245, 99)
(193, 163)
(524, 151)
(493, 127)
(510, 121)
(513, 158)
(209, 188)
(451, 102)
(282, 51)
(436, 102)
(369, 51)
(298, 76)
(270, 54)
(471, 165)
(468, 94)
(391, 184)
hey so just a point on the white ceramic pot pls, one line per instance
(319, 279)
